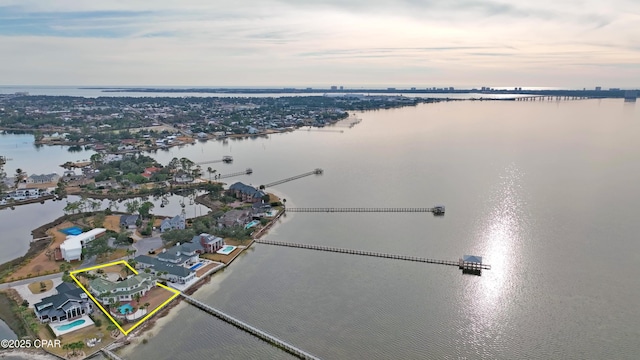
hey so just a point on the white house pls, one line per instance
(176, 222)
(71, 248)
(43, 179)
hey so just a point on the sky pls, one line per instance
(306, 43)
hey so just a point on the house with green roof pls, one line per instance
(110, 292)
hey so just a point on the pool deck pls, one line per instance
(87, 322)
(183, 287)
(226, 252)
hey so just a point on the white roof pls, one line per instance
(84, 236)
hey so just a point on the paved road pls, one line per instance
(30, 280)
(144, 245)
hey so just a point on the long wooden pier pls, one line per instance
(225, 159)
(464, 265)
(314, 172)
(249, 171)
(361, 210)
(299, 353)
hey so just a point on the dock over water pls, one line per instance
(299, 353)
(278, 182)
(364, 210)
(467, 264)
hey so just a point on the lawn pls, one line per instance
(36, 287)
(222, 258)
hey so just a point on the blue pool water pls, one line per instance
(123, 309)
(228, 248)
(196, 266)
(68, 326)
(252, 224)
(74, 230)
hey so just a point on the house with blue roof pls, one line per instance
(246, 193)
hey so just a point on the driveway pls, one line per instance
(32, 298)
(144, 245)
(29, 281)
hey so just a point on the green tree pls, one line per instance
(145, 208)
(99, 246)
(176, 235)
(122, 238)
(98, 219)
(132, 206)
(20, 176)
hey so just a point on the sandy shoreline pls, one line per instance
(27, 354)
(167, 315)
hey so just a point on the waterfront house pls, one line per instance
(129, 221)
(107, 158)
(260, 209)
(24, 194)
(209, 243)
(148, 172)
(43, 179)
(69, 303)
(126, 290)
(107, 184)
(165, 270)
(175, 223)
(185, 254)
(71, 248)
(71, 175)
(235, 217)
(182, 178)
(246, 193)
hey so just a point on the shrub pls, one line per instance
(98, 322)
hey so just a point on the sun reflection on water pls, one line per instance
(500, 233)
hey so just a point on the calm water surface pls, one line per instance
(546, 192)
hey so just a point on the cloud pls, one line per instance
(252, 42)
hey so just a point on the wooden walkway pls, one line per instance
(301, 354)
(225, 159)
(459, 263)
(360, 210)
(314, 172)
(249, 171)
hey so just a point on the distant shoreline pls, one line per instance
(611, 93)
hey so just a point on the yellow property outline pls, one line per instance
(125, 332)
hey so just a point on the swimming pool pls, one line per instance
(74, 230)
(68, 326)
(123, 309)
(226, 250)
(252, 224)
(196, 266)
